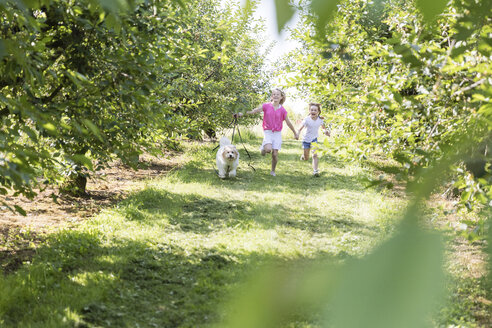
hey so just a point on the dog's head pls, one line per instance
(230, 153)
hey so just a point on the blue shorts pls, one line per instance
(307, 145)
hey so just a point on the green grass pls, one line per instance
(176, 253)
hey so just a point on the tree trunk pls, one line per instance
(75, 186)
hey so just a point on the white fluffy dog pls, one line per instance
(227, 159)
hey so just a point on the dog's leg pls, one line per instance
(232, 171)
(227, 171)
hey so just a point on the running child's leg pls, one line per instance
(307, 148)
(267, 148)
(274, 159)
(315, 162)
(267, 144)
(306, 153)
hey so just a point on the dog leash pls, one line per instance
(233, 122)
(242, 142)
(236, 126)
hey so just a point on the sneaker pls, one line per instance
(302, 157)
(272, 173)
(316, 173)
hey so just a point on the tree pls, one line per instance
(85, 82)
(405, 82)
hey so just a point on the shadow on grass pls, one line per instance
(78, 281)
(202, 215)
(85, 279)
(386, 166)
(342, 223)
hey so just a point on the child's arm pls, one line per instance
(253, 111)
(289, 124)
(326, 130)
(300, 129)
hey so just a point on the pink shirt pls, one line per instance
(273, 119)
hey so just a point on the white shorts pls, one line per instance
(274, 138)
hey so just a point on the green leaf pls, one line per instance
(397, 96)
(407, 55)
(284, 13)
(465, 195)
(31, 4)
(275, 293)
(325, 10)
(30, 132)
(431, 8)
(20, 210)
(115, 5)
(94, 129)
(113, 22)
(399, 285)
(489, 251)
(465, 30)
(396, 286)
(3, 49)
(180, 3)
(457, 51)
(50, 128)
(83, 160)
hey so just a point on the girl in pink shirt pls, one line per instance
(274, 114)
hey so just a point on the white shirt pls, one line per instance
(312, 128)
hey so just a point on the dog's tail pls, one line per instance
(224, 141)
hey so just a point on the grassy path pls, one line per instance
(173, 253)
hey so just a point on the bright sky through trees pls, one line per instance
(266, 13)
(282, 44)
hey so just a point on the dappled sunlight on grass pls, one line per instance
(289, 215)
(171, 253)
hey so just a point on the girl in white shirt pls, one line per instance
(312, 124)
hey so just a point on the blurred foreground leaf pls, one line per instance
(324, 10)
(490, 255)
(398, 285)
(284, 13)
(430, 9)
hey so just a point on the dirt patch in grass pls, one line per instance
(50, 211)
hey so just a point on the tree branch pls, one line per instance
(474, 85)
